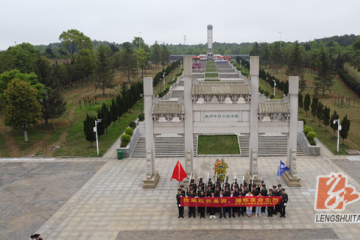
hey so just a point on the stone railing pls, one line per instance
(131, 145)
(310, 150)
(168, 95)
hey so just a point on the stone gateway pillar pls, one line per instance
(189, 132)
(252, 172)
(152, 176)
(291, 177)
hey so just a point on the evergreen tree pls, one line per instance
(128, 61)
(255, 50)
(300, 100)
(114, 111)
(155, 54)
(334, 127)
(323, 80)
(276, 56)
(53, 104)
(307, 102)
(105, 114)
(314, 107)
(345, 127)
(119, 106)
(104, 72)
(320, 112)
(295, 64)
(89, 125)
(100, 125)
(326, 117)
(165, 55)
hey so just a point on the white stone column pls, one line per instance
(152, 176)
(254, 108)
(189, 133)
(291, 176)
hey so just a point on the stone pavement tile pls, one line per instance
(102, 189)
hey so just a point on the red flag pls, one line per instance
(179, 173)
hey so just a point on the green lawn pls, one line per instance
(211, 75)
(211, 70)
(76, 144)
(218, 144)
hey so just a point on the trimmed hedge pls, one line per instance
(129, 131)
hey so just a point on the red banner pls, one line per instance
(251, 201)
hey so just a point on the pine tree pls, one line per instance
(314, 107)
(345, 127)
(323, 80)
(333, 125)
(276, 56)
(320, 112)
(105, 114)
(104, 72)
(300, 100)
(89, 125)
(326, 117)
(307, 102)
(295, 64)
(302, 84)
(155, 54)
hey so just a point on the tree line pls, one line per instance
(322, 113)
(42, 75)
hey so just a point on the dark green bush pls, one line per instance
(272, 96)
(132, 125)
(266, 93)
(141, 117)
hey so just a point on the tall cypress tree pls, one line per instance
(300, 100)
(307, 102)
(114, 111)
(100, 125)
(320, 112)
(295, 64)
(314, 107)
(345, 127)
(326, 117)
(89, 125)
(333, 125)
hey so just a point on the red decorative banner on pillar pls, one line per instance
(251, 201)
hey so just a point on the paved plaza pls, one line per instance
(113, 205)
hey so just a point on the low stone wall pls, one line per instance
(309, 149)
(131, 145)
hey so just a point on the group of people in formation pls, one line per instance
(234, 190)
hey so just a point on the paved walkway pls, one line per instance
(113, 201)
(113, 205)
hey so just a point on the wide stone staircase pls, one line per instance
(269, 146)
(164, 147)
(175, 147)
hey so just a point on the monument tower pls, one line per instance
(209, 42)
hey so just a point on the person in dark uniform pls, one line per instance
(222, 210)
(237, 209)
(274, 194)
(212, 209)
(277, 193)
(191, 209)
(263, 192)
(283, 203)
(181, 209)
(231, 210)
(202, 209)
(254, 193)
(182, 190)
(270, 209)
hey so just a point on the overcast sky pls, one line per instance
(42, 21)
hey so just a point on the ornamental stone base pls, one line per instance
(151, 182)
(291, 181)
(249, 177)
